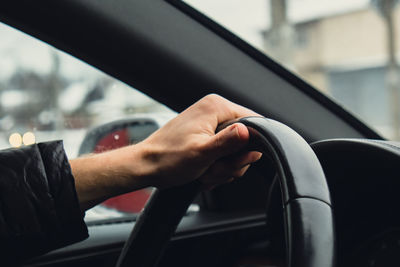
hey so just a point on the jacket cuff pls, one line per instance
(70, 226)
(39, 208)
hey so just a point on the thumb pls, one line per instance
(228, 141)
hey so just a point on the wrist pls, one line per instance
(128, 168)
(143, 164)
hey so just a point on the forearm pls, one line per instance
(101, 176)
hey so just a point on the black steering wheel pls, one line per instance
(308, 216)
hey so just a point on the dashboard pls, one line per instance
(364, 181)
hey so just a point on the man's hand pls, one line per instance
(185, 149)
(188, 148)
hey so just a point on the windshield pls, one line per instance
(347, 49)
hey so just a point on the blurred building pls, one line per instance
(345, 55)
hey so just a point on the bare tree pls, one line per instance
(386, 9)
(279, 38)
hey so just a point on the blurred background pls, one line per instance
(347, 49)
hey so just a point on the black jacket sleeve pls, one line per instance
(39, 209)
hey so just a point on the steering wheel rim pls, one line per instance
(308, 215)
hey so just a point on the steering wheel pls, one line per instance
(308, 215)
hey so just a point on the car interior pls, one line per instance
(176, 55)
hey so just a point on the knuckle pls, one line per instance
(218, 144)
(212, 97)
(211, 100)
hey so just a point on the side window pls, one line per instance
(46, 95)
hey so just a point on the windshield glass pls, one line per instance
(347, 49)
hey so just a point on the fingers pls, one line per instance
(225, 170)
(226, 110)
(228, 141)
